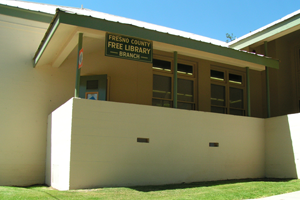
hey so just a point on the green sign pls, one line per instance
(121, 46)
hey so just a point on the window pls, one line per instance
(162, 94)
(227, 92)
(162, 91)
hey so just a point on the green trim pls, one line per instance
(175, 81)
(25, 14)
(267, 83)
(268, 93)
(134, 31)
(50, 32)
(77, 83)
(268, 32)
(248, 92)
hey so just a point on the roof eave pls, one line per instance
(268, 34)
(25, 14)
(131, 30)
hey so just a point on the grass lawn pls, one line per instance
(231, 189)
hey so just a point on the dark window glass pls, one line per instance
(236, 98)
(161, 65)
(185, 90)
(185, 69)
(93, 84)
(162, 86)
(217, 75)
(217, 95)
(162, 103)
(236, 112)
(218, 109)
(186, 106)
(233, 78)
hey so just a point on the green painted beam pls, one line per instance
(50, 32)
(175, 81)
(268, 32)
(25, 14)
(248, 92)
(130, 30)
(77, 83)
(267, 84)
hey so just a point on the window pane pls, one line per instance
(92, 84)
(217, 95)
(236, 98)
(185, 90)
(161, 65)
(217, 75)
(162, 103)
(161, 86)
(233, 78)
(186, 106)
(237, 112)
(185, 69)
(218, 109)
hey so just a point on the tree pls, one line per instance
(230, 37)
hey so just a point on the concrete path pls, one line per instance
(287, 196)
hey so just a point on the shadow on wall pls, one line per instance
(282, 146)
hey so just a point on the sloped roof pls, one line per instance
(215, 48)
(268, 32)
(51, 9)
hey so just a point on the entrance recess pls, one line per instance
(94, 84)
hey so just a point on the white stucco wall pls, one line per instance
(29, 95)
(59, 147)
(105, 152)
(283, 146)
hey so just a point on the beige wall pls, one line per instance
(131, 81)
(29, 95)
(283, 146)
(105, 152)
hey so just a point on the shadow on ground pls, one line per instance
(202, 184)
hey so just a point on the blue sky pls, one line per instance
(212, 18)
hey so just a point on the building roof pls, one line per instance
(202, 47)
(274, 30)
(51, 9)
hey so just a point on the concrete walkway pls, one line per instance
(287, 196)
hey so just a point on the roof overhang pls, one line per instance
(25, 14)
(62, 35)
(270, 32)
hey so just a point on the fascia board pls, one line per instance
(130, 30)
(25, 14)
(50, 32)
(266, 33)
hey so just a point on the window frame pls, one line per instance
(189, 77)
(179, 76)
(227, 84)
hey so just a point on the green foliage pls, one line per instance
(230, 37)
(231, 189)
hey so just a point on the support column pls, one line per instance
(77, 83)
(175, 81)
(248, 92)
(267, 84)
